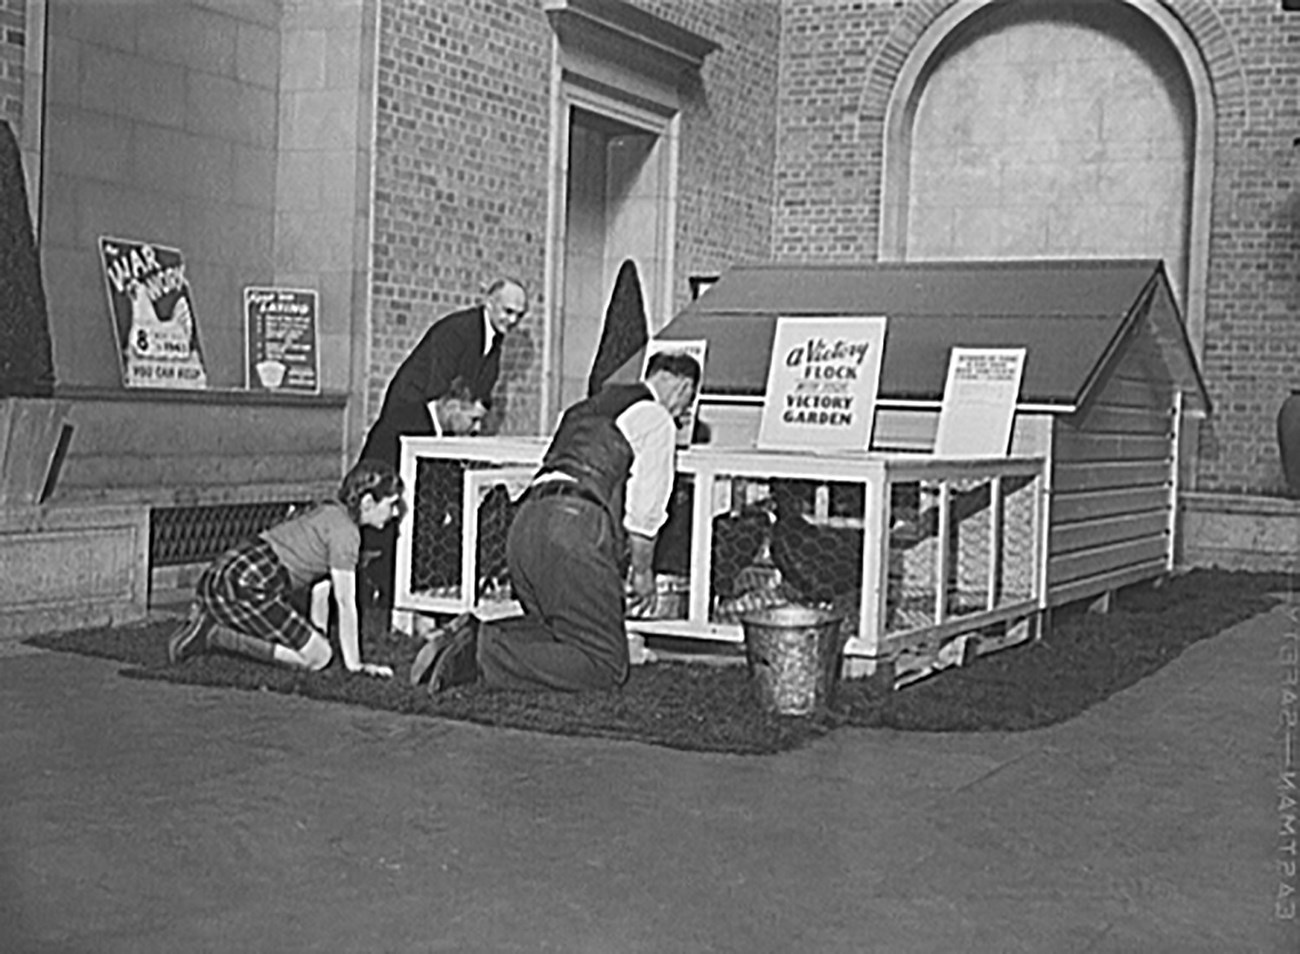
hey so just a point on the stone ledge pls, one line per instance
(202, 496)
(1240, 532)
(207, 396)
(71, 566)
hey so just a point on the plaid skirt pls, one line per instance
(248, 590)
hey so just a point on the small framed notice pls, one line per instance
(979, 402)
(822, 383)
(280, 336)
(696, 348)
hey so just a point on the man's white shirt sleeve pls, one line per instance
(649, 428)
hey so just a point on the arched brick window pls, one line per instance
(1061, 129)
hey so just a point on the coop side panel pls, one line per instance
(1112, 487)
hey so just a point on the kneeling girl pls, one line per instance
(243, 603)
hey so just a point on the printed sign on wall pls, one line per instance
(979, 402)
(280, 334)
(821, 383)
(153, 315)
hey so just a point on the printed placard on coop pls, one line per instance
(979, 402)
(153, 315)
(281, 337)
(696, 348)
(822, 383)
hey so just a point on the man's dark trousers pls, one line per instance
(564, 569)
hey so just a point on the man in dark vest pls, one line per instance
(602, 490)
(462, 348)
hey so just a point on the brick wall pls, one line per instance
(1252, 342)
(13, 40)
(726, 187)
(461, 183)
(161, 125)
(829, 161)
(838, 59)
(460, 174)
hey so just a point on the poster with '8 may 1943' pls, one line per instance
(153, 315)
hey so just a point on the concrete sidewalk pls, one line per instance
(149, 817)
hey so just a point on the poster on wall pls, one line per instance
(280, 337)
(153, 315)
(979, 402)
(821, 384)
(696, 348)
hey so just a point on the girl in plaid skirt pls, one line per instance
(243, 603)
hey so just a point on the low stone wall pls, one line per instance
(66, 567)
(191, 445)
(1239, 532)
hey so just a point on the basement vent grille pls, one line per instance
(181, 535)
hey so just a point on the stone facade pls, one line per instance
(782, 154)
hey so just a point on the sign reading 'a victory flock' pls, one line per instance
(822, 382)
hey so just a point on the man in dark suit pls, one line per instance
(464, 345)
(460, 349)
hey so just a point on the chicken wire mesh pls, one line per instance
(778, 541)
(792, 541)
(775, 542)
(438, 525)
(985, 555)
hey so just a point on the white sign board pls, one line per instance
(979, 402)
(821, 383)
(696, 348)
(280, 340)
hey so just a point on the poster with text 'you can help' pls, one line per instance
(153, 315)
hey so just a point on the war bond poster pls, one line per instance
(153, 315)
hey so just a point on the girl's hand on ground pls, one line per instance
(371, 669)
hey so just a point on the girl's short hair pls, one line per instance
(374, 477)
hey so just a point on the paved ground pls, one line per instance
(147, 817)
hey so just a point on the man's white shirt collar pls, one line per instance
(489, 333)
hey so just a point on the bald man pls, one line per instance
(464, 345)
(462, 348)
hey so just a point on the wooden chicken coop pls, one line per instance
(931, 558)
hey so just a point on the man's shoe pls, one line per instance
(457, 665)
(438, 641)
(191, 638)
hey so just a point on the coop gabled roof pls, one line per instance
(1074, 317)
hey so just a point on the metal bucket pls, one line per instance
(793, 654)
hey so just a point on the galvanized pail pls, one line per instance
(793, 654)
